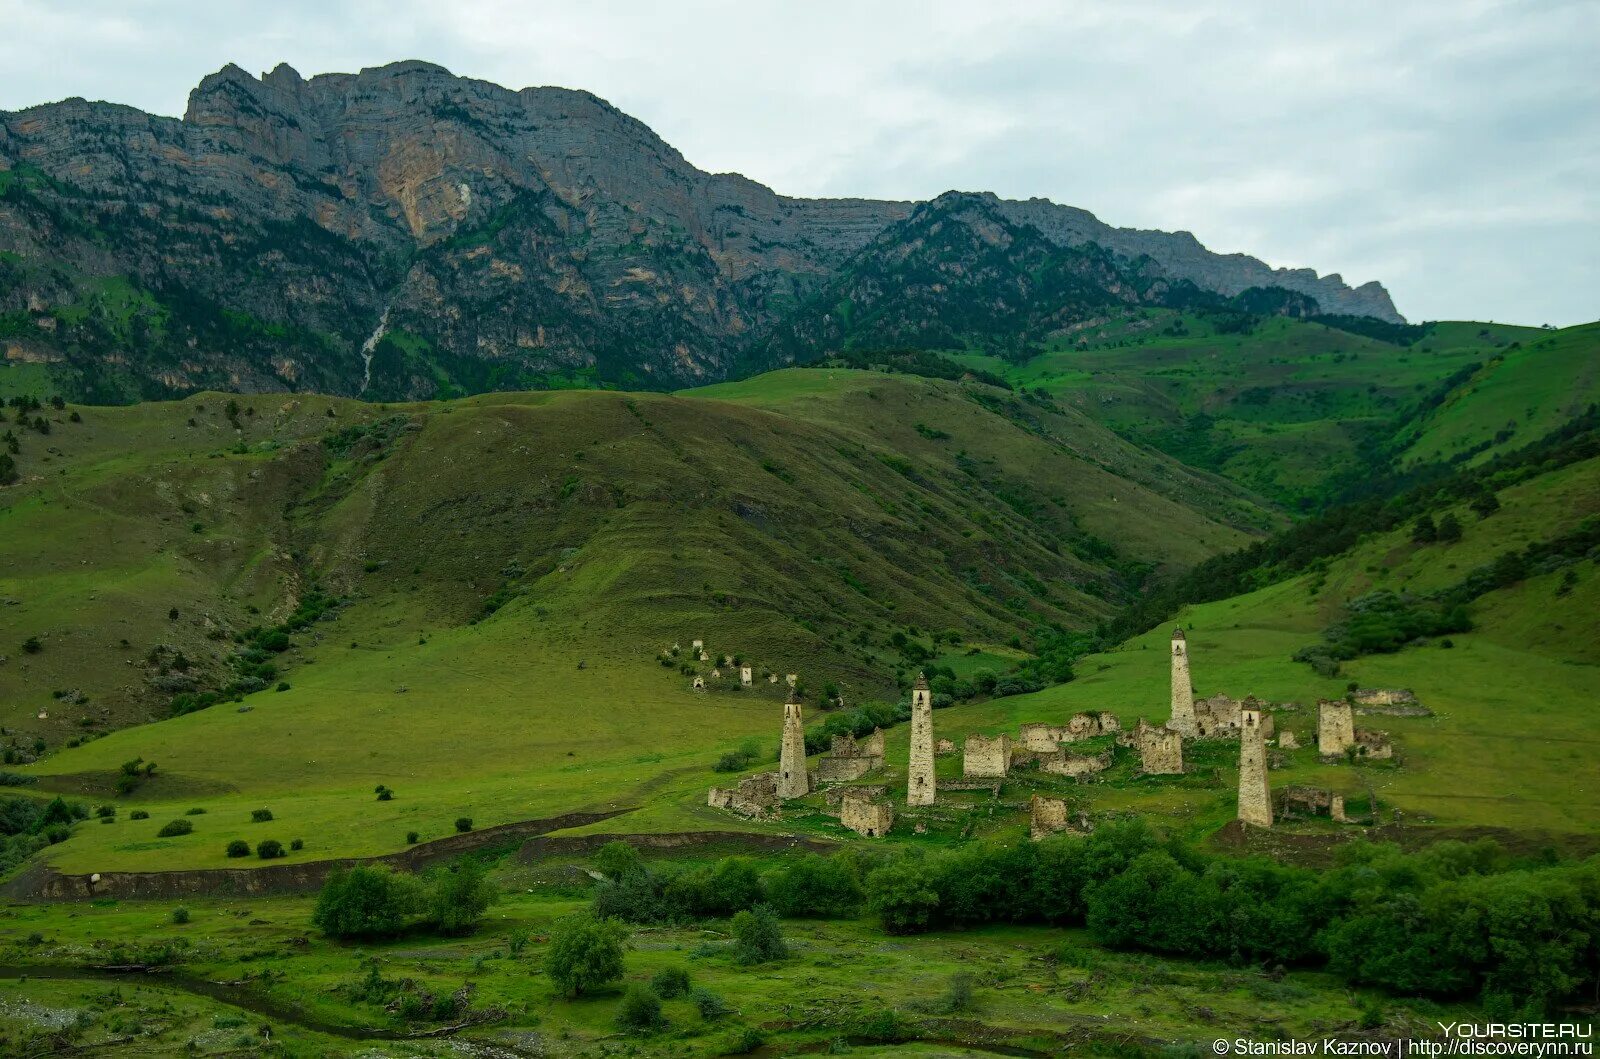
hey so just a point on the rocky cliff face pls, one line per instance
(405, 232)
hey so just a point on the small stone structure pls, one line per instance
(1287, 740)
(1219, 717)
(849, 758)
(1375, 745)
(866, 815)
(699, 683)
(1160, 749)
(1182, 720)
(1336, 727)
(1046, 816)
(944, 746)
(1255, 790)
(920, 784)
(698, 645)
(1045, 738)
(1064, 762)
(985, 756)
(746, 676)
(1312, 801)
(791, 679)
(793, 779)
(754, 796)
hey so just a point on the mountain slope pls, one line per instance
(500, 239)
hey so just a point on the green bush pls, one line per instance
(459, 896)
(260, 816)
(463, 824)
(814, 886)
(180, 915)
(238, 848)
(670, 982)
(584, 953)
(270, 849)
(174, 828)
(138, 814)
(710, 1005)
(903, 897)
(297, 844)
(758, 936)
(365, 902)
(641, 1009)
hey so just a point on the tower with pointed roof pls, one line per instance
(1182, 687)
(920, 785)
(793, 779)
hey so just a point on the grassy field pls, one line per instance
(1036, 989)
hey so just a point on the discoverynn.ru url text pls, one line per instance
(1536, 1040)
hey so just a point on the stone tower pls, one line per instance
(793, 779)
(919, 776)
(1255, 793)
(1336, 727)
(1182, 720)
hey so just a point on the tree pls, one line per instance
(813, 885)
(269, 849)
(616, 859)
(1449, 529)
(1485, 504)
(459, 898)
(8, 469)
(584, 953)
(364, 902)
(902, 896)
(1423, 531)
(758, 936)
(238, 848)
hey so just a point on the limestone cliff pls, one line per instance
(513, 238)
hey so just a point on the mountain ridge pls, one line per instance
(515, 238)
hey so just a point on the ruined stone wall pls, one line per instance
(1043, 738)
(1384, 697)
(1374, 745)
(1255, 791)
(1288, 741)
(1160, 750)
(1046, 816)
(1182, 720)
(986, 756)
(1336, 727)
(920, 784)
(832, 769)
(1078, 766)
(866, 816)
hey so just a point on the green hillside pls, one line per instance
(475, 593)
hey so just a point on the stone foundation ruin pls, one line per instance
(1160, 749)
(986, 756)
(865, 814)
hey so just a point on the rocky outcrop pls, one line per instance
(512, 237)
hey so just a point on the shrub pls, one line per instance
(670, 982)
(750, 1038)
(384, 793)
(463, 824)
(260, 816)
(238, 848)
(194, 812)
(902, 896)
(364, 902)
(815, 886)
(297, 844)
(32, 645)
(411, 838)
(180, 915)
(174, 828)
(1449, 529)
(584, 953)
(138, 814)
(758, 937)
(709, 1004)
(269, 849)
(459, 897)
(615, 859)
(641, 1009)
(105, 811)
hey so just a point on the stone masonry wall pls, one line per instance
(986, 756)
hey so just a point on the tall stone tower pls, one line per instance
(793, 779)
(919, 776)
(1255, 793)
(1182, 687)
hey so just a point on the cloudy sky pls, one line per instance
(1449, 150)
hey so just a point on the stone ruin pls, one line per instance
(755, 796)
(1052, 816)
(1337, 734)
(1397, 702)
(1287, 740)
(1044, 738)
(1064, 762)
(1182, 719)
(699, 683)
(986, 756)
(944, 746)
(849, 758)
(1220, 716)
(865, 814)
(746, 676)
(1297, 802)
(921, 783)
(1160, 749)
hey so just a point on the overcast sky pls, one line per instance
(1449, 150)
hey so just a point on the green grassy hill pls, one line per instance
(496, 578)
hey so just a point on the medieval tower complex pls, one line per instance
(919, 776)
(1182, 720)
(1255, 794)
(793, 779)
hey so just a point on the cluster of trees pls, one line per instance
(1336, 530)
(28, 825)
(1382, 622)
(373, 902)
(1457, 920)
